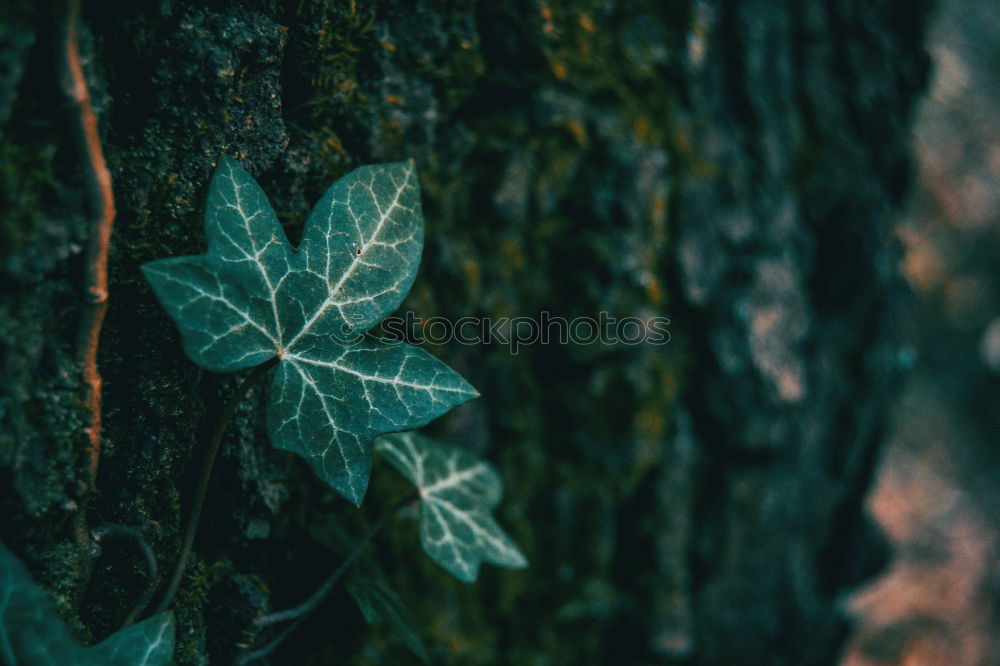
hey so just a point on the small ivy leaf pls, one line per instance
(457, 492)
(146, 643)
(252, 296)
(378, 602)
(33, 634)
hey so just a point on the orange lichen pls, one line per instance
(641, 129)
(654, 292)
(578, 131)
(512, 253)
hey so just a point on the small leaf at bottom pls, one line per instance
(33, 634)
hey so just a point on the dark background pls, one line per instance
(743, 168)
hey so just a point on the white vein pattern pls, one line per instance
(363, 240)
(457, 493)
(33, 634)
(147, 643)
(253, 296)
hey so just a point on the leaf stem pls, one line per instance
(300, 612)
(206, 473)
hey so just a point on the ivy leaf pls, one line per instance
(252, 297)
(378, 603)
(146, 643)
(457, 492)
(33, 634)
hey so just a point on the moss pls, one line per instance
(23, 173)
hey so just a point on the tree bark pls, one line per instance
(733, 166)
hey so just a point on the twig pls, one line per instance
(110, 531)
(206, 473)
(260, 653)
(102, 205)
(309, 604)
(301, 612)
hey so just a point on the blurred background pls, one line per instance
(809, 190)
(936, 491)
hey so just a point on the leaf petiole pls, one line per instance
(206, 472)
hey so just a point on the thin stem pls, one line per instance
(109, 531)
(301, 612)
(206, 473)
(101, 201)
(309, 604)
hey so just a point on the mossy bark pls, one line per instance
(732, 166)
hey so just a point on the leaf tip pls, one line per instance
(226, 160)
(355, 494)
(468, 391)
(465, 572)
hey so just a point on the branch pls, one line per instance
(95, 279)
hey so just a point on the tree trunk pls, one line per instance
(732, 166)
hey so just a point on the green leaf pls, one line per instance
(457, 492)
(33, 634)
(146, 643)
(252, 296)
(378, 603)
